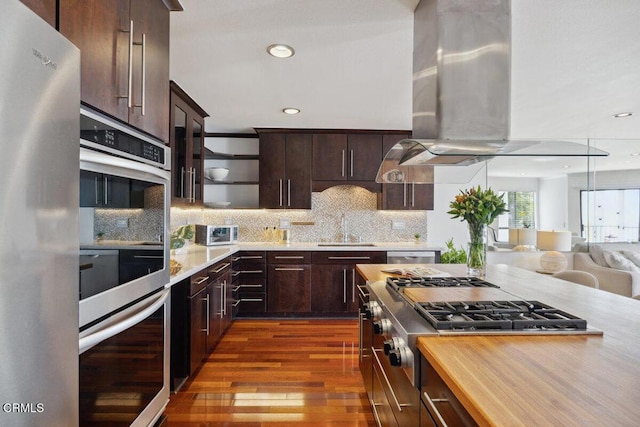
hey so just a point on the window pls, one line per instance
(610, 215)
(522, 212)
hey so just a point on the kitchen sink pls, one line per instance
(346, 244)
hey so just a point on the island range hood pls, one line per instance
(461, 94)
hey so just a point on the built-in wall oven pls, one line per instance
(124, 306)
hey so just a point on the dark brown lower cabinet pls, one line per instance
(289, 278)
(334, 283)
(249, 283)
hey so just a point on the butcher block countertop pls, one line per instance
(577, 380)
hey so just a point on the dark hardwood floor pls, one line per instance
(280, 373)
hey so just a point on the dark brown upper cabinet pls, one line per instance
(125, 58)
(187, 148)
(346, 158)
(285, 170)
(46, 9)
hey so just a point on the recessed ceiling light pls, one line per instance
(280, 50)
(290, 110)
(635, 154)
(626, 114)
(566, 166)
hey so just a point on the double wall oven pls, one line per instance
(124, 304)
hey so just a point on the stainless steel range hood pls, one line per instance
(461, 93)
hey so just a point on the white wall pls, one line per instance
(553, 204)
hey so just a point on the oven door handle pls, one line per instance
(386, 379)
(89, 341)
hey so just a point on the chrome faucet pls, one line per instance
(345, 228)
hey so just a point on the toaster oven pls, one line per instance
(210, 235)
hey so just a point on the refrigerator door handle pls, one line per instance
(89, 341)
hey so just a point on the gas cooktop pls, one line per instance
(517, 315)
(399, 283)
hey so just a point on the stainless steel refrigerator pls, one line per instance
(39, 173)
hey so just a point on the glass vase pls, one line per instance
(477, 251)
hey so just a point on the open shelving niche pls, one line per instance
(240, 154)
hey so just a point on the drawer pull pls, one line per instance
(201, 280)
(290, 269)
(250, 272)
(225, 265)
(251, 257)
(433, 408)
(350, 257)
(289, 257)
(250, 286)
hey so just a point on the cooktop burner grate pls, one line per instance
(517, 315)
(399, 283)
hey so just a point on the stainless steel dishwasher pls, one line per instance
(412, 257)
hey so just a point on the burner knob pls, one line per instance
(388, 346)
(375, 309)
(382, 326)
(395, 358)
(401, 357)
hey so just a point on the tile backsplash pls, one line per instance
(320, 224)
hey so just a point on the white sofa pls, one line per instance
(616, 272)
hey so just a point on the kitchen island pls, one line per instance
(581, 380)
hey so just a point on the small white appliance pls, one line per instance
(211, 235)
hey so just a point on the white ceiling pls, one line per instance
(575, 63)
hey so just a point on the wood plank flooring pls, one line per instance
(277, 372)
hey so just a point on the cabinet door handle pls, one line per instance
(363, 293)
(182, 182)
(130, 72)
(289, 257)
(434, 409)
(251, 271)
(95, 181)
(207, 323)
(413, 194)
(350, 257)
(250, 286)
(193, 185)
(280, 193)
(351, 162)
(130, 66)
(222, 286)
(404, 195)
(344, 286)
(144, 72)
(224, 310)
(106, 190)
(289, 269)
(148, 257)
(251, 257)
(343, 159)
(353, 285)
(288, 192)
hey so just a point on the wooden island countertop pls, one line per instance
(578, 380)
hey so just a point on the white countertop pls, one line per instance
(194, 257)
